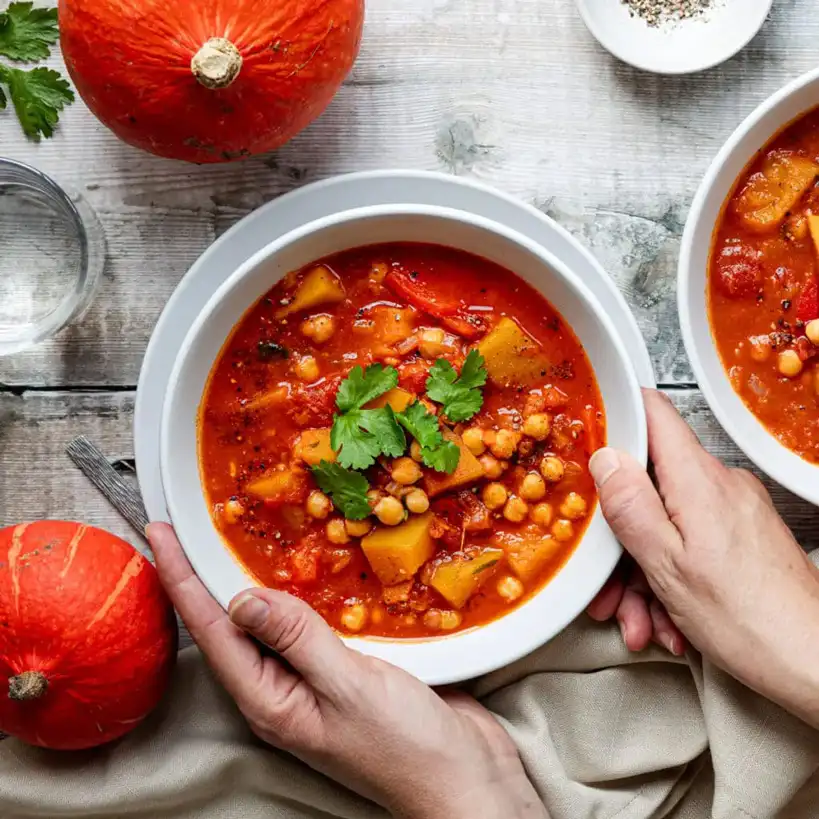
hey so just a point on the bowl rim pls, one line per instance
(510, 648)
(775, 467)
(599, 33)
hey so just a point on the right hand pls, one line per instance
(719, 559)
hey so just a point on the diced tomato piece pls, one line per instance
(293, 492)
(740, 273)
(305, 564)
(805, 349)
(807, 308)
(413, 376)
(315, 406)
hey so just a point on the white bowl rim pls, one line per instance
(512, 649)
(778, 468)
(599, 33)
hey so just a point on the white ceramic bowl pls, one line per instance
(750, 436)
(681, 48)
(463, 655)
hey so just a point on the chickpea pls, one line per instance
(318, 505)
(812, 331)
(489, 436)
(533, 487)
(337, 532)
(431, 342)
(789, 364)
(562, 530)
(405, 471)
(415, 452)
(234, 509)
(432, 618)
(542, 514)
(491, 466)
(516, 510)
(450, 620)
(574, 506)
(551, 467)
(389, 511)
(373, 496)
(473, 440)
(494, 495)
(510, 588)
(319, 328)
(538, 426)
(307, 369)
(354, 617)
(358, 528)
(761, 349)
(417, 501)
(505, 443)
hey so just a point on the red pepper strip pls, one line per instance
(807, 308)
(592, 426)
(449, 313)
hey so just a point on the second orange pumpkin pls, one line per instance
(209, 80)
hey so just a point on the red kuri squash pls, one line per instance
(209, 80)
(87, 635)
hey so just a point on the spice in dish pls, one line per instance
(662, 12)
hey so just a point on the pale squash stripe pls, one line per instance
(14, 557)
(132, 569)
(72, 548)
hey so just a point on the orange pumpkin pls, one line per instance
(209, 80)
(87, 635)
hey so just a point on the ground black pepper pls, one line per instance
(658, 12)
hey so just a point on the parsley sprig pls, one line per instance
(37, 94)
(459, 394)
(348, 489)
(436, 453)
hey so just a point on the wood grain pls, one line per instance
(512, 92)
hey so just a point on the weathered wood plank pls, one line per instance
(38, 479)
(513, 92)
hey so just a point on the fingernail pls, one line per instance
(248, 611)
(603, 464)
(624, 632)
(669, 643)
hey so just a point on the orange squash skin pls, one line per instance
(83, 615)
(130, 60)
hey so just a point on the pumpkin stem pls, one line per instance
(30, 685)
(217, 63)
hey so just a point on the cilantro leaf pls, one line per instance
(347, 489)
(357, 448)
(460, 395)
(26, 33)
(361, 386)
(383, 425)
(436, 453)
(38, 95)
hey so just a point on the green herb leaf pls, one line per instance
(38, 95)
(357, 448)
(383, 425)
(460, 395)
(362, 386)
(26, 33)
(436, 453)
(347, 489)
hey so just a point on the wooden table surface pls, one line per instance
(515, 93)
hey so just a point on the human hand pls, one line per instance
(363, 722)
(718, 557)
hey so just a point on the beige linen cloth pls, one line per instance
(604, 734)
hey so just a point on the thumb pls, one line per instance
(633, 509)
(296, 633)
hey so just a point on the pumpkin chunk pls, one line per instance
(813, 224)
(512, 357)
(458, 579)
(395, 553)
(529, 553)
(279, 488)
(319, 286)
(398, 399)
(468, 470)
(774, 190)
(313, 446)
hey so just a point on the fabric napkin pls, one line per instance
(604, 734)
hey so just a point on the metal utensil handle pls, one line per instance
(124, 498)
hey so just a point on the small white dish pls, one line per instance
(463, 655)
(314, 201)
(682, 47)
(771, 117)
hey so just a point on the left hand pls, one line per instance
(363, 722)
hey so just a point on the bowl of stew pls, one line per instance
(390, 413)
(748, 287)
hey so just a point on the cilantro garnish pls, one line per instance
(348, 489)
(362, 386)
(26, 33)
(38, 94)
(436, 453)
(460, 395)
